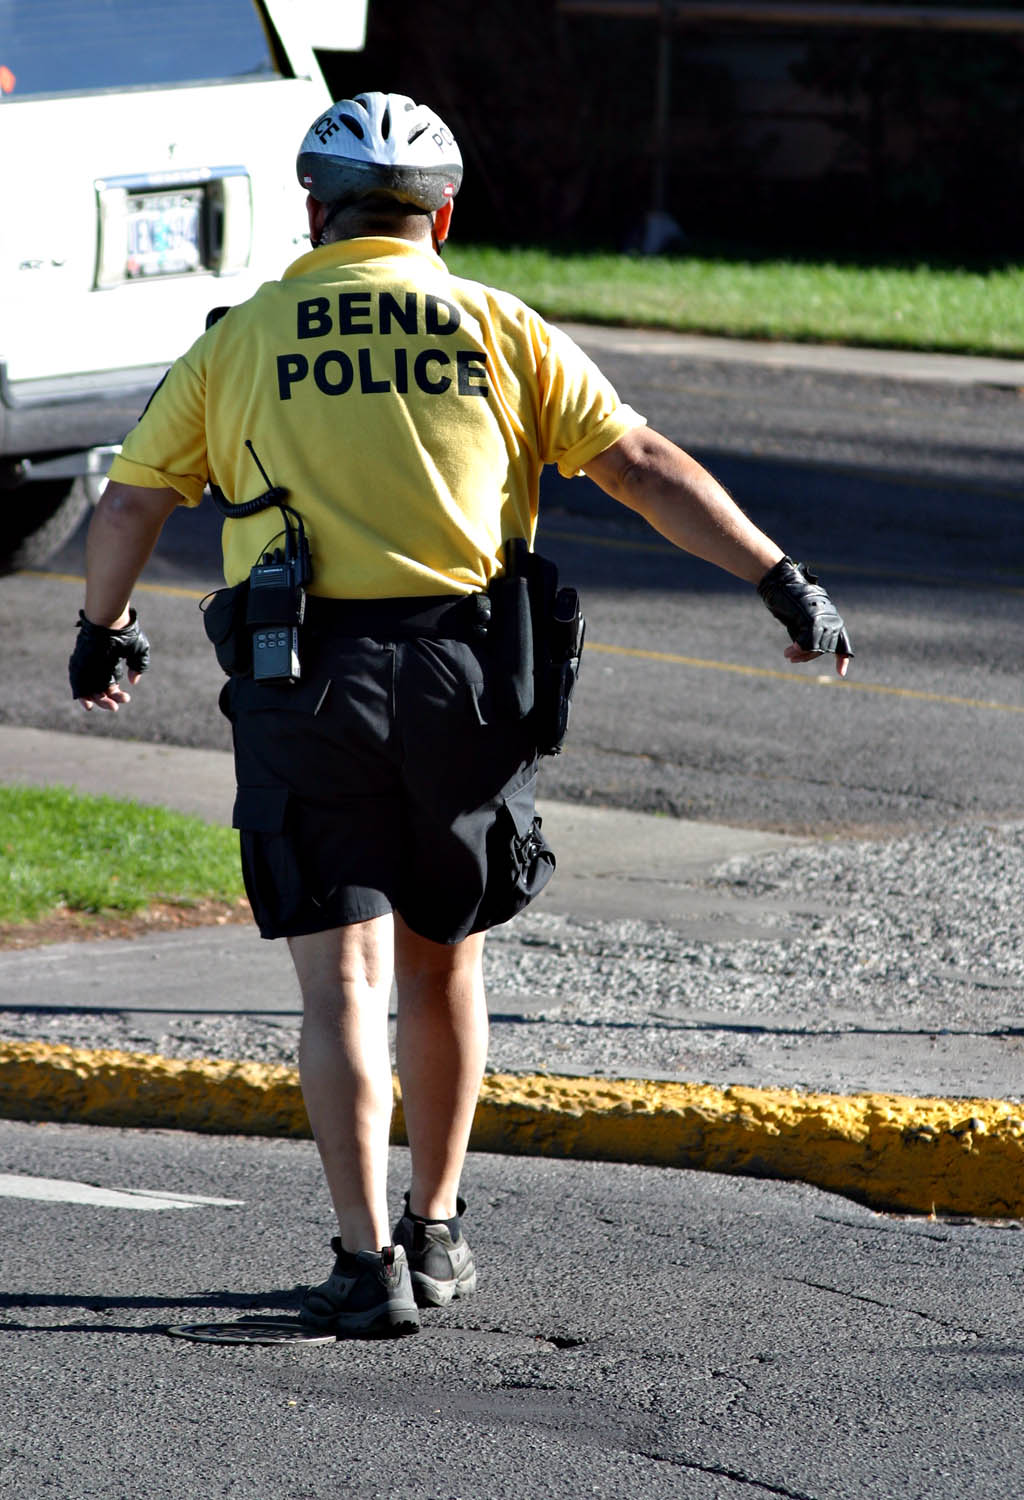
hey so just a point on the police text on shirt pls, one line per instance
(336, 371)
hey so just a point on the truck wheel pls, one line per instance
(39, 518)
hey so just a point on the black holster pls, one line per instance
(536, 633)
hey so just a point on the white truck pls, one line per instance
(147, 173)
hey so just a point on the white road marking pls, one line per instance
(57, 1190)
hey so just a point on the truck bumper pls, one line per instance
(71, 413)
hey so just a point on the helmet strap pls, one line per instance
(332, 213)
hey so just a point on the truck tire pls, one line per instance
(39, 518)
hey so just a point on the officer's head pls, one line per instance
(379, 164)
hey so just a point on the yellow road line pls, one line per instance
(168, 589)
(848, 570)
(794, 679)
(623, 544)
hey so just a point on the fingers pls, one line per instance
(111, 700)
(795, 653)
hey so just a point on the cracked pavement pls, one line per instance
(638, 1331)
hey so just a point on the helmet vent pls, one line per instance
(377, 143)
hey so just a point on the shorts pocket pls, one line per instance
(306, 696)
(520, 861)
(270, 868)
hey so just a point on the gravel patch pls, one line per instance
(909, 936)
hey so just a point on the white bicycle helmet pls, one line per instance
(380, 143)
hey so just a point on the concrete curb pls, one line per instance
(890, 1151)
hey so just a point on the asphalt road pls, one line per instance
(905, 493)
(637, 1332)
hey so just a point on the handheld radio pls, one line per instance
(276, 602)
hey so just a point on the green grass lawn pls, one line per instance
(60, 850)
(903, 307)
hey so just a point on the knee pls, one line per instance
(433, 970)
(332, 966)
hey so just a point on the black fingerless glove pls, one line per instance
(96, 660)
(795, 597)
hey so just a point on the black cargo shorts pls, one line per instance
(387, 778)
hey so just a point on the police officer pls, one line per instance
(385, 796)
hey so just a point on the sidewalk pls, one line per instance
(889, 364)
(904, 1136)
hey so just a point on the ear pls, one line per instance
(316, 212)
(443, 221)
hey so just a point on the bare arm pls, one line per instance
(122, 533)
(686, 504)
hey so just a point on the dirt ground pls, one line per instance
(66, 926)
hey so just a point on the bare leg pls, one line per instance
(345, 1069)
(442, 1048)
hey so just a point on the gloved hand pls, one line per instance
(95, 663)
(795, 597)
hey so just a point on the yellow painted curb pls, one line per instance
(40, 1081)
(891, 1151)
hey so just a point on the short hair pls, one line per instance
(376, 213)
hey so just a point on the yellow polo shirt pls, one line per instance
(407, 412)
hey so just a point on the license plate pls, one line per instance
(162, 233)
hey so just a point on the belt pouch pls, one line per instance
(224, 623)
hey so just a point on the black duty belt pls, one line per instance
(444, 616)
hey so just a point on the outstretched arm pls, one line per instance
(122, 533)
(686, 504)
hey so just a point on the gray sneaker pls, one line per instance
(440, 1262)
(368, 1295)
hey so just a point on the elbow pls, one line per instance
(624, 470)
(645, 462)
(130, 508)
